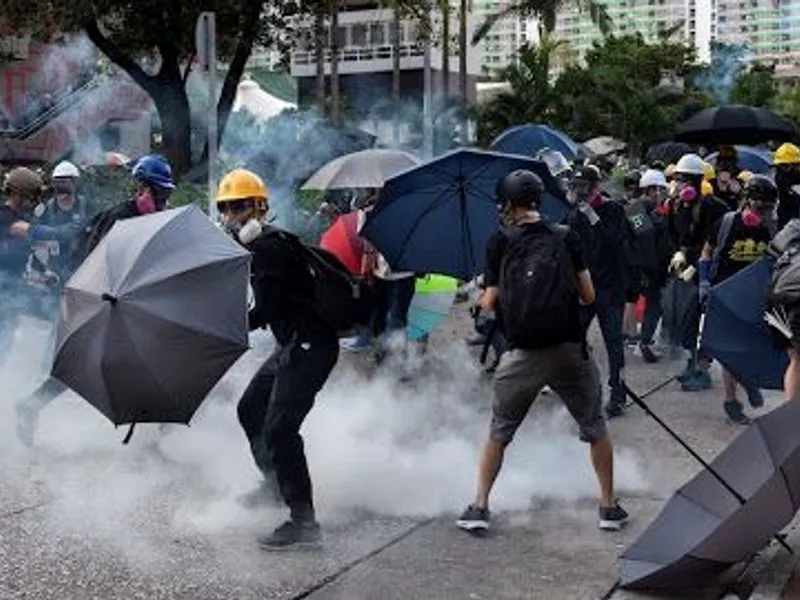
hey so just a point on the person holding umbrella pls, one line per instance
(787, 178)
(737, 240)
(282, 392)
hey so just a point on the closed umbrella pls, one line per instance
(364, 169)
(154, 317)
(529, 140)
(433, 300)
(727, 512)
(735, 332)
(735, 124)
(438, 217)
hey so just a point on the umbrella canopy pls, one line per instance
(709, 525)
(748, 158)
(528, 140)
(154, 317)
(604, 145)
(667, 152)
(343, 241)
(261, 104)
(433, 299)
(735, 124)
(735, 332)
(364, 169)
(438, 217)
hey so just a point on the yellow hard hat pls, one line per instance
(708, 171)
(745, 176)
(787, 154)
(241, 184)
(706, 189)
(669, 171)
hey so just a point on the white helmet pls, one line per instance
(652, 178)
(66, 169)
(691, 164)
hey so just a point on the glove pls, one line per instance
(678, 262)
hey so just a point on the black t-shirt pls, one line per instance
(744, 246)
(13, 250)
(693, 222)
(283, 292)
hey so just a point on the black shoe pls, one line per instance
(615, 409)
(647, 353)
(474, 519)
(612, 518)
(755, 398)
(293, 534)
(735, 413)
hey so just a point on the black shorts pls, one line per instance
(784, 343)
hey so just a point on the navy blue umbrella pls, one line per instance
(438, 217)
(529, 139)
(735, 332)
(749, 158)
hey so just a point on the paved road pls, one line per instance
(84, 517)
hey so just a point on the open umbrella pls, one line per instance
(528, 140)
(604, 145)
(735, 332)
(748, 158)
(727, 512)
(438, 217)
(433, 299)
(364, 169)
(734, 124)
(342, 240)
(154, 317)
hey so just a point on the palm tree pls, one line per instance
(545, 11)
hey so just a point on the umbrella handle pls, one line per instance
(128, 435)
(109, 298)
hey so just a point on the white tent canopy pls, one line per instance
(259, 103)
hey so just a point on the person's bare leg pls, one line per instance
(602, 452)
(488, 467)
(729, 384)
(791, 379)
(629, 320)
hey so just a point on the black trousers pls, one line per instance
(272, 410)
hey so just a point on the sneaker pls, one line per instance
(293, 534)
(615, 409)
(647, 353)
(474, 519)
(735, 412)
(27, 420)
(355, 344)
(612, 518)
(755, 398)
(688, 372)
(631, 341)
(698, 382)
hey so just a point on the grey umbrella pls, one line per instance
(364, 169)
(154, 317)
(727, 512)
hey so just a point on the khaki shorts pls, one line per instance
(522, 374)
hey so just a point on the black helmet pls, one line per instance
(520, 188)
(760, 188)
(631, 179)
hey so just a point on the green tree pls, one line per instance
(756, 86)
(153, 42)
(787, 102)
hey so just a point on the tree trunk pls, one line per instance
(176, 130)
(445, 10)
(463, 44)
(320, 43)
(336, 101)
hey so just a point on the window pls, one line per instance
(377, 34)
(358, 35)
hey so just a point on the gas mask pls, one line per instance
(578, 191)
(240, 218)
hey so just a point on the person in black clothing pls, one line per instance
(154, 184)
(282, 392)
(727, 253)
(605, 235)
(787, 179)
(693, 215)
(727, 186)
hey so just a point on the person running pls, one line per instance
(152, 175)
(283, 390)
(604, 232)
(537, 274)
(737, 240)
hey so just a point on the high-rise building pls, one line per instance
(499, 47)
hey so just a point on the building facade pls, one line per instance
(499, 47)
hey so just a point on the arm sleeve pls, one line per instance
(269, 280)
(494, 258)
(575, 248)
(713, 233)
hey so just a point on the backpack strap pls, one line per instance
(723, 234)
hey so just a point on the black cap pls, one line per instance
(520, 188)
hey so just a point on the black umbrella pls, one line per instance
(735, 124)
(667, 152)
(727, 512)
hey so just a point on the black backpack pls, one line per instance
(784, 287)
(538, 289)
(342, 301)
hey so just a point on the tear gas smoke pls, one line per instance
(727, 63)
(375, 446)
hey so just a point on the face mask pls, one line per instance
(751, 218)
(687, 194)
(145, 203)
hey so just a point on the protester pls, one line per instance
(538, 275)
(282, 392)
(787, 178)
(727, 186)
(152, 175)
(605, 236)
(692, 217)
(737, 240)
